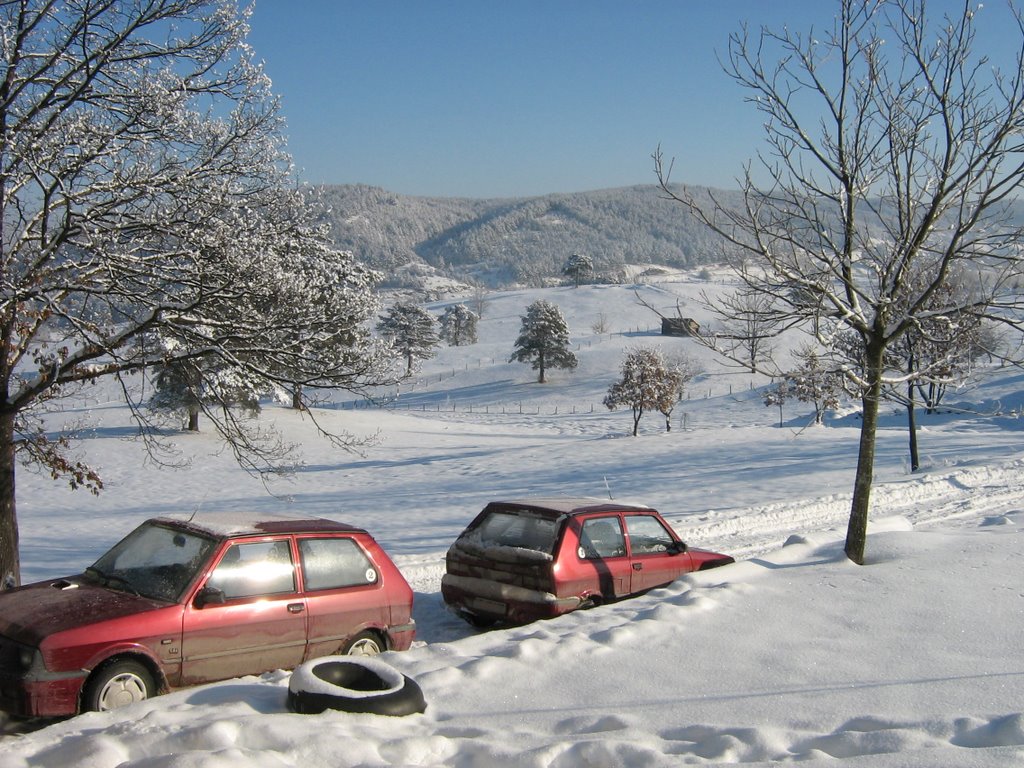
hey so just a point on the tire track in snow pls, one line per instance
(976, 492)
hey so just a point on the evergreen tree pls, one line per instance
(458, 325)
(543, 339)
(647, 383)
(412, 331)
(189, 386)
(578, 267)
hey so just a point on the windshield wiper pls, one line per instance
(114, 582)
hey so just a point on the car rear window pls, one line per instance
(331, 563)
(519, 529)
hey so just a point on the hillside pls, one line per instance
(521, 240)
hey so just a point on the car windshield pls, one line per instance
(519, 528)
(153, 561)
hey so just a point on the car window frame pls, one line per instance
(207, 581)
(580, 546)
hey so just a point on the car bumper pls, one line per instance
(503, 602)
(400, 637)
(55, 696)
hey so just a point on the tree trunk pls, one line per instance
(540, 364)
(193, 418)
(10, 562)
(915, 462)
(857, 531)
(297, 403)
(637, 414)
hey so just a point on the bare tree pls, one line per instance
(812, 383)
(647, 383)
(145, 194)
(894, 148)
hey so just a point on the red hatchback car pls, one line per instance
(182, 601)
(538, 558)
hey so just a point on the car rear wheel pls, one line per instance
(364, 644)
(117, 685)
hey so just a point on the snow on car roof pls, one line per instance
(568, 505)
(243, 523)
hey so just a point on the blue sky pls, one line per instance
(481, 98)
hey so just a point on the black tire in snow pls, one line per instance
(353, 684)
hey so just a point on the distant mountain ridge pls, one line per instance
(525, 241)
(516, 240)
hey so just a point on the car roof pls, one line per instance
(573, 505)
(232, 524)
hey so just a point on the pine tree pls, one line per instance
(412, 331)
(578, 267)
(190, 386)
(458, 325)
(543, 339)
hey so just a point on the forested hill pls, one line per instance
(523, 240)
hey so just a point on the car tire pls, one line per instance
(118, 684)
(353, 684)
(364, 644)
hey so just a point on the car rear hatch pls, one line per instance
(504, 559)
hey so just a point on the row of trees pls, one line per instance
(880, 217)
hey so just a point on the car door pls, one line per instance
(344, 592)
(248, 617)
(656, 556)
(603, 556)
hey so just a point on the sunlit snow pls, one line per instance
(792, 654)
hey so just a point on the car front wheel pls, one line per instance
(117, 685)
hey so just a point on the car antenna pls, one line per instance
(196, 510)
(608, 487)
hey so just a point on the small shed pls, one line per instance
(679, 326)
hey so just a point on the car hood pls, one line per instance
(31, 613)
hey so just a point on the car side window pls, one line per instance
(601, 537)
(253, 569)
(647, 535)
(331, 563)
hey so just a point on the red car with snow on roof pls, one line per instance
(182, 601)
(538, 558)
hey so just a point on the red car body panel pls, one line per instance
(54, 634)
(598, 552)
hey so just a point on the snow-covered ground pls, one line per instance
(791, 654)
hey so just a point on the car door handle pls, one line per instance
(295, 607)
(638, 566)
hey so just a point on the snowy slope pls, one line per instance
(791, 654)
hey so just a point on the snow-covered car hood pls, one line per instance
(30, 613)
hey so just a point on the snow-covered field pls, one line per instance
(792, 654)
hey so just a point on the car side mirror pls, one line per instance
(210, 596)
(677, 548)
